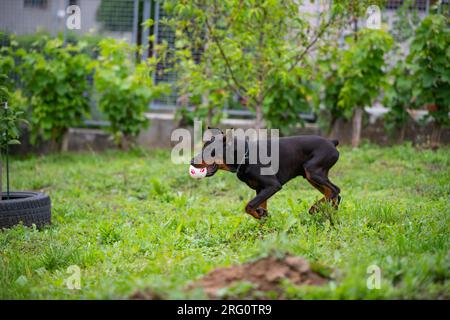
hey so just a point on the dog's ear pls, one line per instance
(209, 134)
(215, 129)
(228, 136)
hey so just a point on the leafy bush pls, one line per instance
(11, 118)
(36, 41)
(398, 97)
(362, 68)
(125, 90)
(331, 84)
(243, 45)
(7, 66)
(90, 42)
(3, 89)
(31, 41)
(431, 76)
(198, 86)
(56, 82)
(292, 94)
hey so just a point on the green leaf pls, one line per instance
(14, 141)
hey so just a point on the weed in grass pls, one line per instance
(57, 256)
(108, 234)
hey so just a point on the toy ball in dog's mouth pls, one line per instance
(197, 173)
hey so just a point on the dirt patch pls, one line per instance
(263, 275)
(147, 295)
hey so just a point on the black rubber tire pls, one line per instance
(25, 207)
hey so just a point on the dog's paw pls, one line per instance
(252, 212)
(262, 212)
(313, 209)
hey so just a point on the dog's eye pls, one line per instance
(213, 153)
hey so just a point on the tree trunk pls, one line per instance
(330, 130)
(205, 96)
(259, 116)
(125, 143)
(205, 104)
(356, 127)
(261, 78)
(335, 128)
(210, 115)
(65, 142)
(401, 137)
(55, 145)
(435, 139)
(357, 115)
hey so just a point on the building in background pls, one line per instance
(112, 18)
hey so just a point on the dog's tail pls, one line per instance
(335, 142)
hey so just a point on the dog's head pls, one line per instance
(212, 156)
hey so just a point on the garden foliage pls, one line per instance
(430, 60)
(125, 89)
(56, 82)
(398, 96)
(249, 49)
(362, 67)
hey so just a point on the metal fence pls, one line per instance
(123, 19)
(162, 32)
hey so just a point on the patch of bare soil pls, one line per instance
(147, 295)
(265, 274)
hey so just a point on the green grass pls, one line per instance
(135, 220)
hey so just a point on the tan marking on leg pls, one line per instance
(315, 207)
(252, 212)
(263, 205)
(223, 166)
(325, 190)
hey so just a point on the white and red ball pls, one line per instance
(197, 173)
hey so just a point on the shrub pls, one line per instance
(429, 57)
(7, 66)
(362, 69)
(248, 49)
(331, 83)
(292, 94)
(55, 80)
(125, 90)
(398, 98)
(10, 119)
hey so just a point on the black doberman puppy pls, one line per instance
(308, 156)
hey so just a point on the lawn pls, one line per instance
(132, 221)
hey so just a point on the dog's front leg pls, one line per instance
(255, 207)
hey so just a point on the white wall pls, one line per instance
(16, 18)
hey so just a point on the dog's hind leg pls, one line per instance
(318, 178)
(316, 205)
(262, 208)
